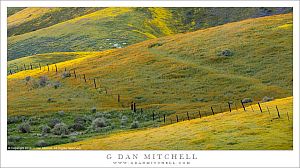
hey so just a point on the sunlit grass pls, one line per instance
(251, 130)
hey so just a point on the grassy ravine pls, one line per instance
(68, 29)
(230, 130)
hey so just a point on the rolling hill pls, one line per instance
(175, 73)
(93, 29)
(237, 130)
(24, 20)
(42, 59)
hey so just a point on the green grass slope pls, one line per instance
(111, 27)
(23, 20)
(171, 74)
(236, 130)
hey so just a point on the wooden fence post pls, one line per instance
(10, 72)
(95, 83)
(164, 118)
(85, 78)
(40, 66)
(153, 116)
(55, 68)
(74, 74)
(24, 66)
(199, 114)
(187, 114)
(134, 107)
(48, 67)
(131, 106)
(65, 69)
(212, 110)
(119, 98)
(287, 113)
(243, 105)
(229, 106)
(30, 66)
(177, 118)
(277, 112)
(259, 107)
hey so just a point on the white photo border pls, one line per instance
(98, 158)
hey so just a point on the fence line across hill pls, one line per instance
(161, 117)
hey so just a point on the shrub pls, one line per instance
(24, 127)
(45, 129)
(124, 120)
(50, 100)
(27, 78)
(99, 123)
(13, 120)
(56, 85)
(135, 124)
(53, 122)
(43, 81)
(93, 109)
(60, 129)
(77, 126)
(247, 100)
(266, 99)
(226, 53)
(66, 74)
(41, 143)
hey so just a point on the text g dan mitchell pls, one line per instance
(152, 156)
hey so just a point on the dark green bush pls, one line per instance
(24, 127)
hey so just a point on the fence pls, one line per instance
(158, 116)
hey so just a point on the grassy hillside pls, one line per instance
(249, 130)
(101, 30)
(13, 10)
(168, 76)
(111, 27)
(42, 59)
(22, 20)
(172, 74)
